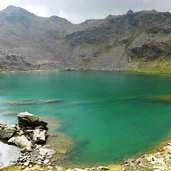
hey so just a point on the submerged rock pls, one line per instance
(46, 151)
(26, 119)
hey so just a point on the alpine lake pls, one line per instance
(110, 116)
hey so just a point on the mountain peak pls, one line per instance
(11, 7)
(130, 12)
(15, 11)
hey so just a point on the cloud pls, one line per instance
(78, 10)
(62, 14)
(38, 10)
(5, 3)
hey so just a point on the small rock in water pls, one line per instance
(45, 151)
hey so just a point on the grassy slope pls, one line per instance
(161, 66)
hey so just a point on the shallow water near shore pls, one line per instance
(7, 154)
(108, 114)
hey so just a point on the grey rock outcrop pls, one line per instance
(29, 131)
(21, 142)
(6, 132)
(29, 135)
(39, 136)
(146, 47)
(28, 120)
(29, 42)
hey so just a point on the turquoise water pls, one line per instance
(106, 113)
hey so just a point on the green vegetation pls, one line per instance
(19, 168)
(161, 65)
(41, 168)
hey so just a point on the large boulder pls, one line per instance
(29, 131)
(22, 142)
(6, 132)
(39, 136)
(27, 120)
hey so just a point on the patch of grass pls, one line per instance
(115, 167)
(11, 168)
(34, 168)
(161, 65)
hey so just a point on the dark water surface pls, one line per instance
(106, 113)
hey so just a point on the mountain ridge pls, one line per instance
(30, 42)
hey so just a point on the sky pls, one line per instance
(77, 11)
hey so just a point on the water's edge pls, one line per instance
(158, 157)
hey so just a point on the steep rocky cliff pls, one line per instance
(133, 40)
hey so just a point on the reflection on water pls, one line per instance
(8, 154)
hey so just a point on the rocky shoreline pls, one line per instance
(64, 70)
(30, 135)
(127, 70)
(160, 160)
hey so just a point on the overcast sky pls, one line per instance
(77, 11)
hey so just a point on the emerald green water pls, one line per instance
(106, 113)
